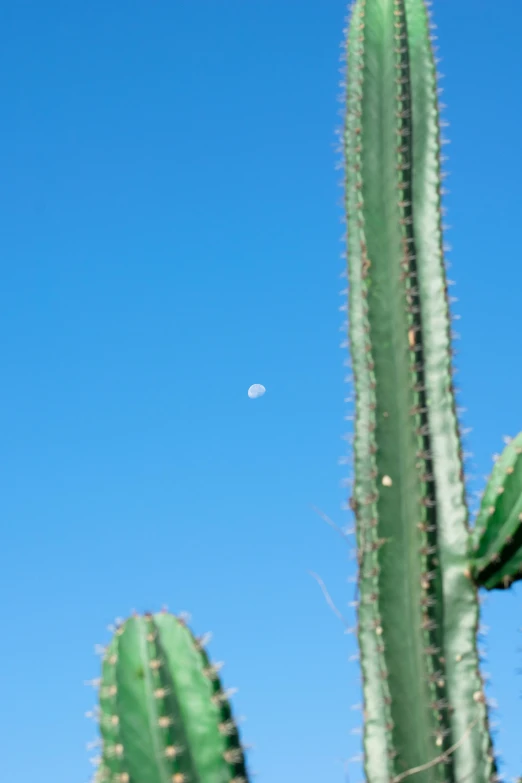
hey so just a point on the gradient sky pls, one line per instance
(169, 235)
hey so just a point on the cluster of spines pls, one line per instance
(346, 459)
(450, 352)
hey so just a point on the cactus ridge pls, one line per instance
(164, 716)
(378, 718)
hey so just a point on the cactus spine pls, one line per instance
(418, 611)
(164, 717)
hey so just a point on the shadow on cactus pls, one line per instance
(420, 565)
(164, 717)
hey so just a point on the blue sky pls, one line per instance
(170, 235)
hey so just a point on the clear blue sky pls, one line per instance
(169, 234)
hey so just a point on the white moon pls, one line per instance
(256, 390)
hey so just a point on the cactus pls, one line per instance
(419, 566)
(164, 717)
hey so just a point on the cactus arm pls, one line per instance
(460, 617)
(496, 542)
(164, 716)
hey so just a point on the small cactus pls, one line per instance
(164, 717)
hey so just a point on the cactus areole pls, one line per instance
(419, 568)
(164, 717)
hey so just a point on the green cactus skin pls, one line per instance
(496, 544)
(164, 717)
(418, 608)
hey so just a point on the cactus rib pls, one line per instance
(377, 697)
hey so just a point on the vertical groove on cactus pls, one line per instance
(418, 609)
(164, 715)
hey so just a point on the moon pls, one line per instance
(256, 390)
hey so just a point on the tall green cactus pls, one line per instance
(164, 717)
(424, 703)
